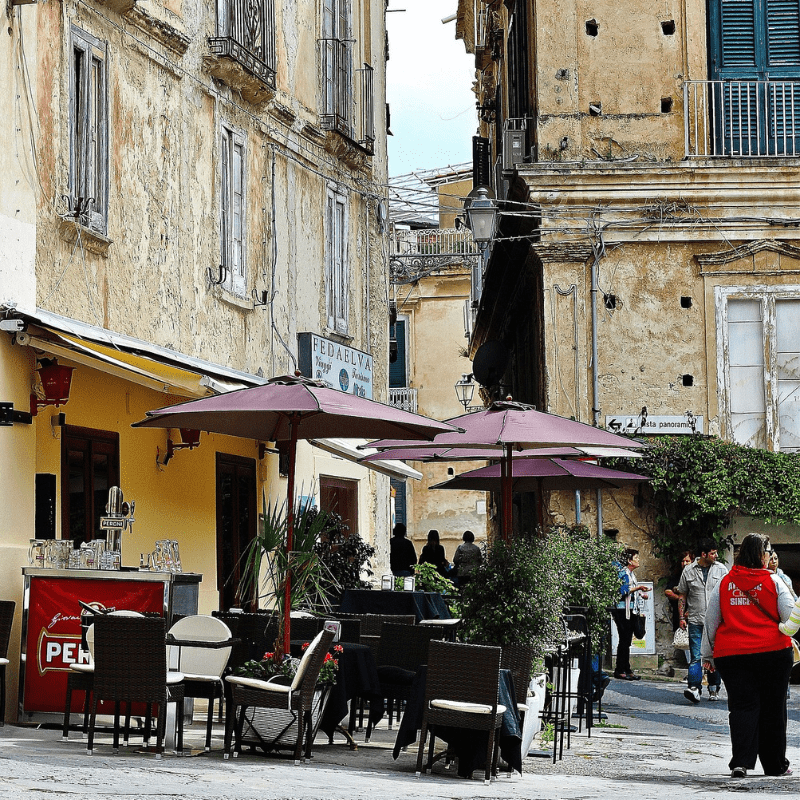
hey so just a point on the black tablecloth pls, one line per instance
(424, 605)
(469, 745)
(356, 677)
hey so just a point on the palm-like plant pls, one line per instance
(267, 564)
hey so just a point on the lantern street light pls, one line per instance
(481, 217)
(465, 389)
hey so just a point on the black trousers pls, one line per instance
(756, 684)
(625, 631)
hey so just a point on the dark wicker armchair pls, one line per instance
(7, 608)
(402, 650)
(296, 698)
(130, 665)
(461, 691)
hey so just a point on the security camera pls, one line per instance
(12, 325)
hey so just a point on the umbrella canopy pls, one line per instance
(535, 474)
(266, 413)
(289, 408)
(516, 427)
(520, 427)
(428, 451)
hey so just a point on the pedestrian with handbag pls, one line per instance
(629, 614)
(678, 606)
(744, 643)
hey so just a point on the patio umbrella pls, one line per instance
(511, 427)
(289, 408)
(536, 474)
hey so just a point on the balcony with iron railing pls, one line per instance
(433, 242)
(348, 105)
(403, 398)
(742, 119)
(246, 35)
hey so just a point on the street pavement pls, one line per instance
(655, 744)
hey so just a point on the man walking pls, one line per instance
(698, 580)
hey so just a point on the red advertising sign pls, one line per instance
(53, 639)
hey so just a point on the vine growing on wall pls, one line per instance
(700, 483)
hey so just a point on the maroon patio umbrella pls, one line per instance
(514, 427)
(289, 408)
(536, 474)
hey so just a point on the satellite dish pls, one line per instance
(490, 363)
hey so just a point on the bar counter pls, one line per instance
(51, 623)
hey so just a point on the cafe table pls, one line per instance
(423, 605)
(357, 677)
(467, 745)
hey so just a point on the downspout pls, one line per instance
(598, 248)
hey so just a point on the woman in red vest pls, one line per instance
(753, 657)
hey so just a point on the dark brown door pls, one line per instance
(236, 523)
(341, 497)
(89, 466)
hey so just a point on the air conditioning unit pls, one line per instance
(513, 148)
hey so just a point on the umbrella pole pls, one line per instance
(507, 487)
(287, 591)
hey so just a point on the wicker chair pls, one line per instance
(130, 658)
(197, 650)
(297, 699)
(461, 691)
(7, 608)
(402, 650)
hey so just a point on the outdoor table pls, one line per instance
(423, 605)
(356, 677)
(469, 746)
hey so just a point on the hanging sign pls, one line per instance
(341, 367)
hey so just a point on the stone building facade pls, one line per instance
(644, 274)
(186, 188)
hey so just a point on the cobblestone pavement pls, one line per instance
(655, 744)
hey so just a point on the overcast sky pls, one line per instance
(429, 80)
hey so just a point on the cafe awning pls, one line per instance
(134, 360)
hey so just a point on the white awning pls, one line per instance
(348, 449)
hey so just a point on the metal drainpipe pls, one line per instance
(596, 249)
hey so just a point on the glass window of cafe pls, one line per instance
(89, 466)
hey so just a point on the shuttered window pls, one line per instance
(88, 131)
(398, 371)
(233, 153)
(336, 266)
(755, 39)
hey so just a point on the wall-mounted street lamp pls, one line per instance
(481, 213)
(465, 389)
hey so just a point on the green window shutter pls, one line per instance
(397, 369)
(738, 34)
(783, 32)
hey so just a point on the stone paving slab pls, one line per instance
(656, 745)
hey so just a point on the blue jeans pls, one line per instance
(696, 664)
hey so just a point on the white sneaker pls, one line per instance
(692, 694)
(713, 694)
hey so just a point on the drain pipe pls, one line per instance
(598, 248)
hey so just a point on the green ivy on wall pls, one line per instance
(699, 483)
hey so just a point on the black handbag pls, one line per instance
(638, 625)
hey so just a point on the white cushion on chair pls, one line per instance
(522, 706)
(467, 708)
(3, 661)
(188, 676)
(174, 677)
(254, 683)
(85, 668)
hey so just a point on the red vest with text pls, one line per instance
(745, 628)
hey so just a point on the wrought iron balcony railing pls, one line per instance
(433, 241)
(741, 119)
(405, 399)
(352, 115)
(246, 34)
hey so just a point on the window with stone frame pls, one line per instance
(336, 265)
(760, 365)
(88, 130)
(233, 217)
